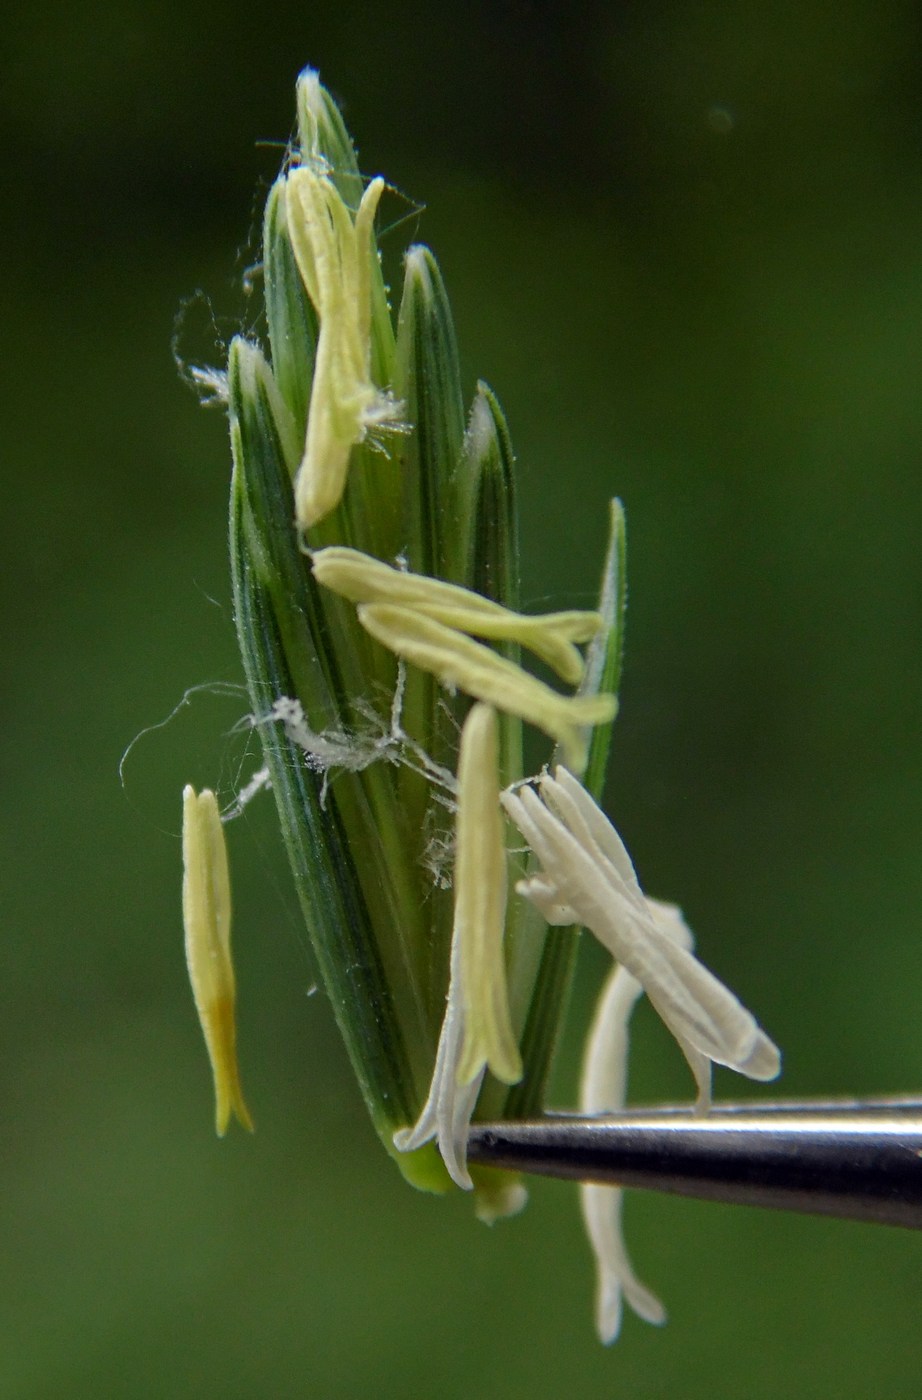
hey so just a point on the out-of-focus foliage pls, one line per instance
(682, 241)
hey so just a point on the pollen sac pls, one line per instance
(334, 257)
(461, 662)
(206, 905)
(550, 636)
(476, 1028)
(480, 904)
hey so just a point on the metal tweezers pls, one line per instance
(855, 1159)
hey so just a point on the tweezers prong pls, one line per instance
(859, 1162)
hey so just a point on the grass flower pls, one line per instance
(389, 704)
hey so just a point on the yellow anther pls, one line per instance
(480, 904)
(362, 579)
(459, 661)
(206, 905)
(334, 256)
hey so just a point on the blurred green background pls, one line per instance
(684, 244)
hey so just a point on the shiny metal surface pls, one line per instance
(856, 1160)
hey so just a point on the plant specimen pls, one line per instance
(374, 559)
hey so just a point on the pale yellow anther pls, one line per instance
(206, 905)
(480, 904)
(476, 1029)
(460, 662)
(362, 579)
(334, 256)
